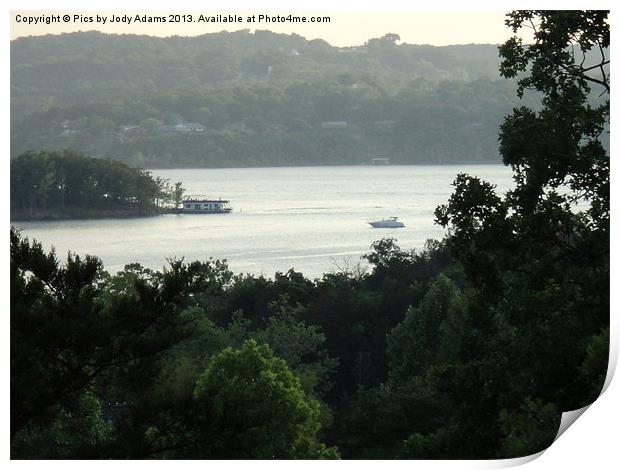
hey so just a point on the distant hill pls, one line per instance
(251, 99)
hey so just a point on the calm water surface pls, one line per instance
(312, 219)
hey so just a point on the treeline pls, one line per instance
(68, 184)
(346, 121)
(255, 99)
(408, 361)
(69, 69)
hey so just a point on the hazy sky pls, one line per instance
(344, 29)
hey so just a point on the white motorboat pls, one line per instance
(392, 222)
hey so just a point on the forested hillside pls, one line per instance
(251, 99)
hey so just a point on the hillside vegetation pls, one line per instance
(254, 99)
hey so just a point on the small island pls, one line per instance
(66, 184)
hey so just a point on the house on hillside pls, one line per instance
(183, 127)
(129, 128)
(334, 124)
(189, 127)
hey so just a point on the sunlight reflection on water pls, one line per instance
(312, 219)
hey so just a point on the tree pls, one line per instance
(163, 192)
(79, 432)
(430, 335)
(177, 194)
(560, 146)
(68, 183)
(302, 346)
(252, 406)
(69, 336)
(538, 257)
(32, 176)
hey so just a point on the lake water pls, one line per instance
(312, 219)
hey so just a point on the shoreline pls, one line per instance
(42, 216)
(335, 165)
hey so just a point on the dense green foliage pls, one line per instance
(237, 394)
(68, 184)
(539, 256)
(259, 98)
(184, 354)
(469, 348)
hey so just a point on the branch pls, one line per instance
(583, 58)
(601, 65)
(595, 66)
(600, 82)
(600, 48)
(604, 83)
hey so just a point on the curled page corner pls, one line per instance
(613, 362)
(568, 418)
(517, 461)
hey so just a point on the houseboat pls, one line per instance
(203, 205)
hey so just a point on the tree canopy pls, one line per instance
(254, 407)
(66, 183)
(539, 256)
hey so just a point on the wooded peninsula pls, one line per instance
(68, 185)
